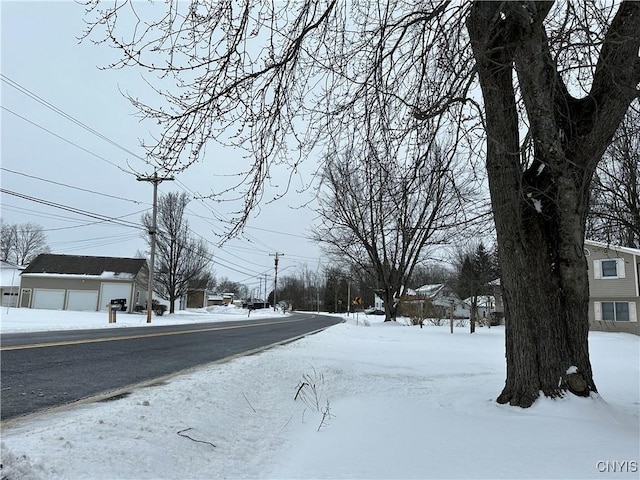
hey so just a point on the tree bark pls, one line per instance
(540, 205)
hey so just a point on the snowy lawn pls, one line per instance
(377, 401)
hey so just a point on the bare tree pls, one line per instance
(430, 273)
(614, 216)
(336, 289)
(182, 260)
(224, 285)
(300, 290)
(7, 240)
(257, 74)
(22, 242)
(381, 211)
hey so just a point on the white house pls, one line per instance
(10, 283)
(486, 305)
(442, 296)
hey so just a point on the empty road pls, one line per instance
(41, 370)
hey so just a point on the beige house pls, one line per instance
(84, 283)
(614, 290)
(201, 298)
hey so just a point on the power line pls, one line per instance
(64, 114)
(218, 217)
(60, 137)
(278, 233)
(92, 242)
(73, 209)
(101, 219)
(71, 186)
(221, 217)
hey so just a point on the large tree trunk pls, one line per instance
(390, 307)
(540, 205)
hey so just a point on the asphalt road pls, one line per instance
(42, 370)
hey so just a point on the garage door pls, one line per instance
(82, 300)
(49, 299)
(111, 291)
(10, 298)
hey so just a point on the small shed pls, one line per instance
(84, 283)
(197, 298)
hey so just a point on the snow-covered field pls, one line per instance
(380, 401)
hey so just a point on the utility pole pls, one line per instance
(264, 298)
(275, 280)
(155, 180)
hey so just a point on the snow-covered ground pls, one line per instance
(32, 320)
(378, 401)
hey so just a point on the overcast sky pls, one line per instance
(70, 139)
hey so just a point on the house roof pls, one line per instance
(10, 266)
(9, 274)
(616, 248)
(483, 300)
(430, 290)
(83, 265)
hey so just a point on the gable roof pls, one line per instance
(84, 265)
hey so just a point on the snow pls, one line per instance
(29, 320)
(399, 402)
(106, 274)
(537, 204)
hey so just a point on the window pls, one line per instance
(622, 311)
(613, 268)
(608, 311)
(609, 268)
(613, 311)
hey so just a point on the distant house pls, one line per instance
(85, 283)
(220, 299)
(614, 290)
(10, 283)
(486, 305)
(441, 296)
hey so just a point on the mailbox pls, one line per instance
(119, 304)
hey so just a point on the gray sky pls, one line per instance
(71, 139)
